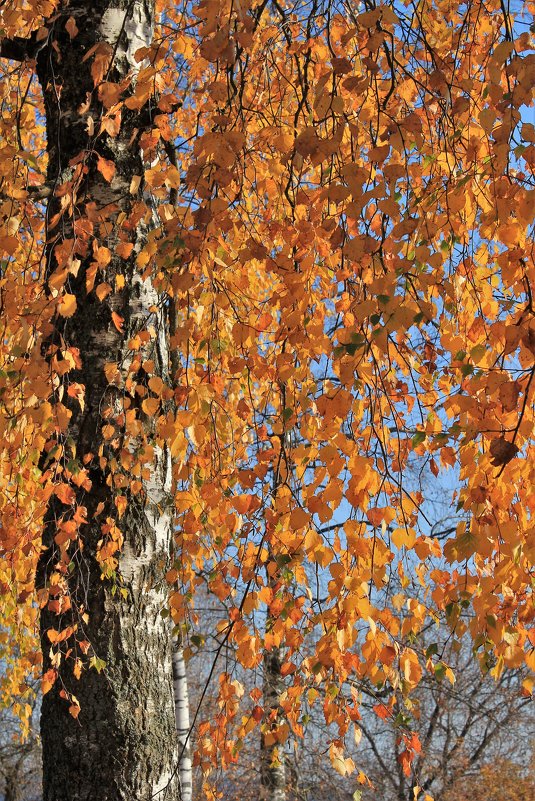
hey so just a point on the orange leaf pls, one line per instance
(382, 711)
(48, 680)
(242, 503)
(508, 394)
(288, 668)
(65, 493)
(102, 256)
(106, 168)
(405, 760)
(299, 518)
(124, 249)
(118, 321)
(121, 503)
(102, 290)
(53, 635)
(9, 244)
(71, 27)
(150, 406)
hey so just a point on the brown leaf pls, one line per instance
(502, 451)
(508, 395)
(341, 66)
(71, 27)
(528, 339)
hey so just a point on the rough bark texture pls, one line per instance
(12, 787)
(180, 687)
(273, 764)
(123, 744)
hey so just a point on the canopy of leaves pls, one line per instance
(341, 205)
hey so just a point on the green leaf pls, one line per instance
(97, 664)
(440, 670)
(283, 559)
(432, 649)
(418, 438)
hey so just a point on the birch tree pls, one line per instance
(96, 222)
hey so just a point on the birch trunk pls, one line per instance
(180, 687)
(272, 757)
(273, 762)
(122, 747)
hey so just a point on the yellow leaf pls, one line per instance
(403, 537)
(121, 503)
(111, 372)
(343, 766)
(67, 306)
(411, 667)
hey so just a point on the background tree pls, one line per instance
(463, 728)
(20, 757)
(459, 730)
(502, 778)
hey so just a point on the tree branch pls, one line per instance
(19, 48)
(371, 740)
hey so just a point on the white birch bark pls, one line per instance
(180, 689)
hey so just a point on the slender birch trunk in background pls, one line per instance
(273, 762)
(180, 686)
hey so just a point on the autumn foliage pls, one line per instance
(338, 201)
